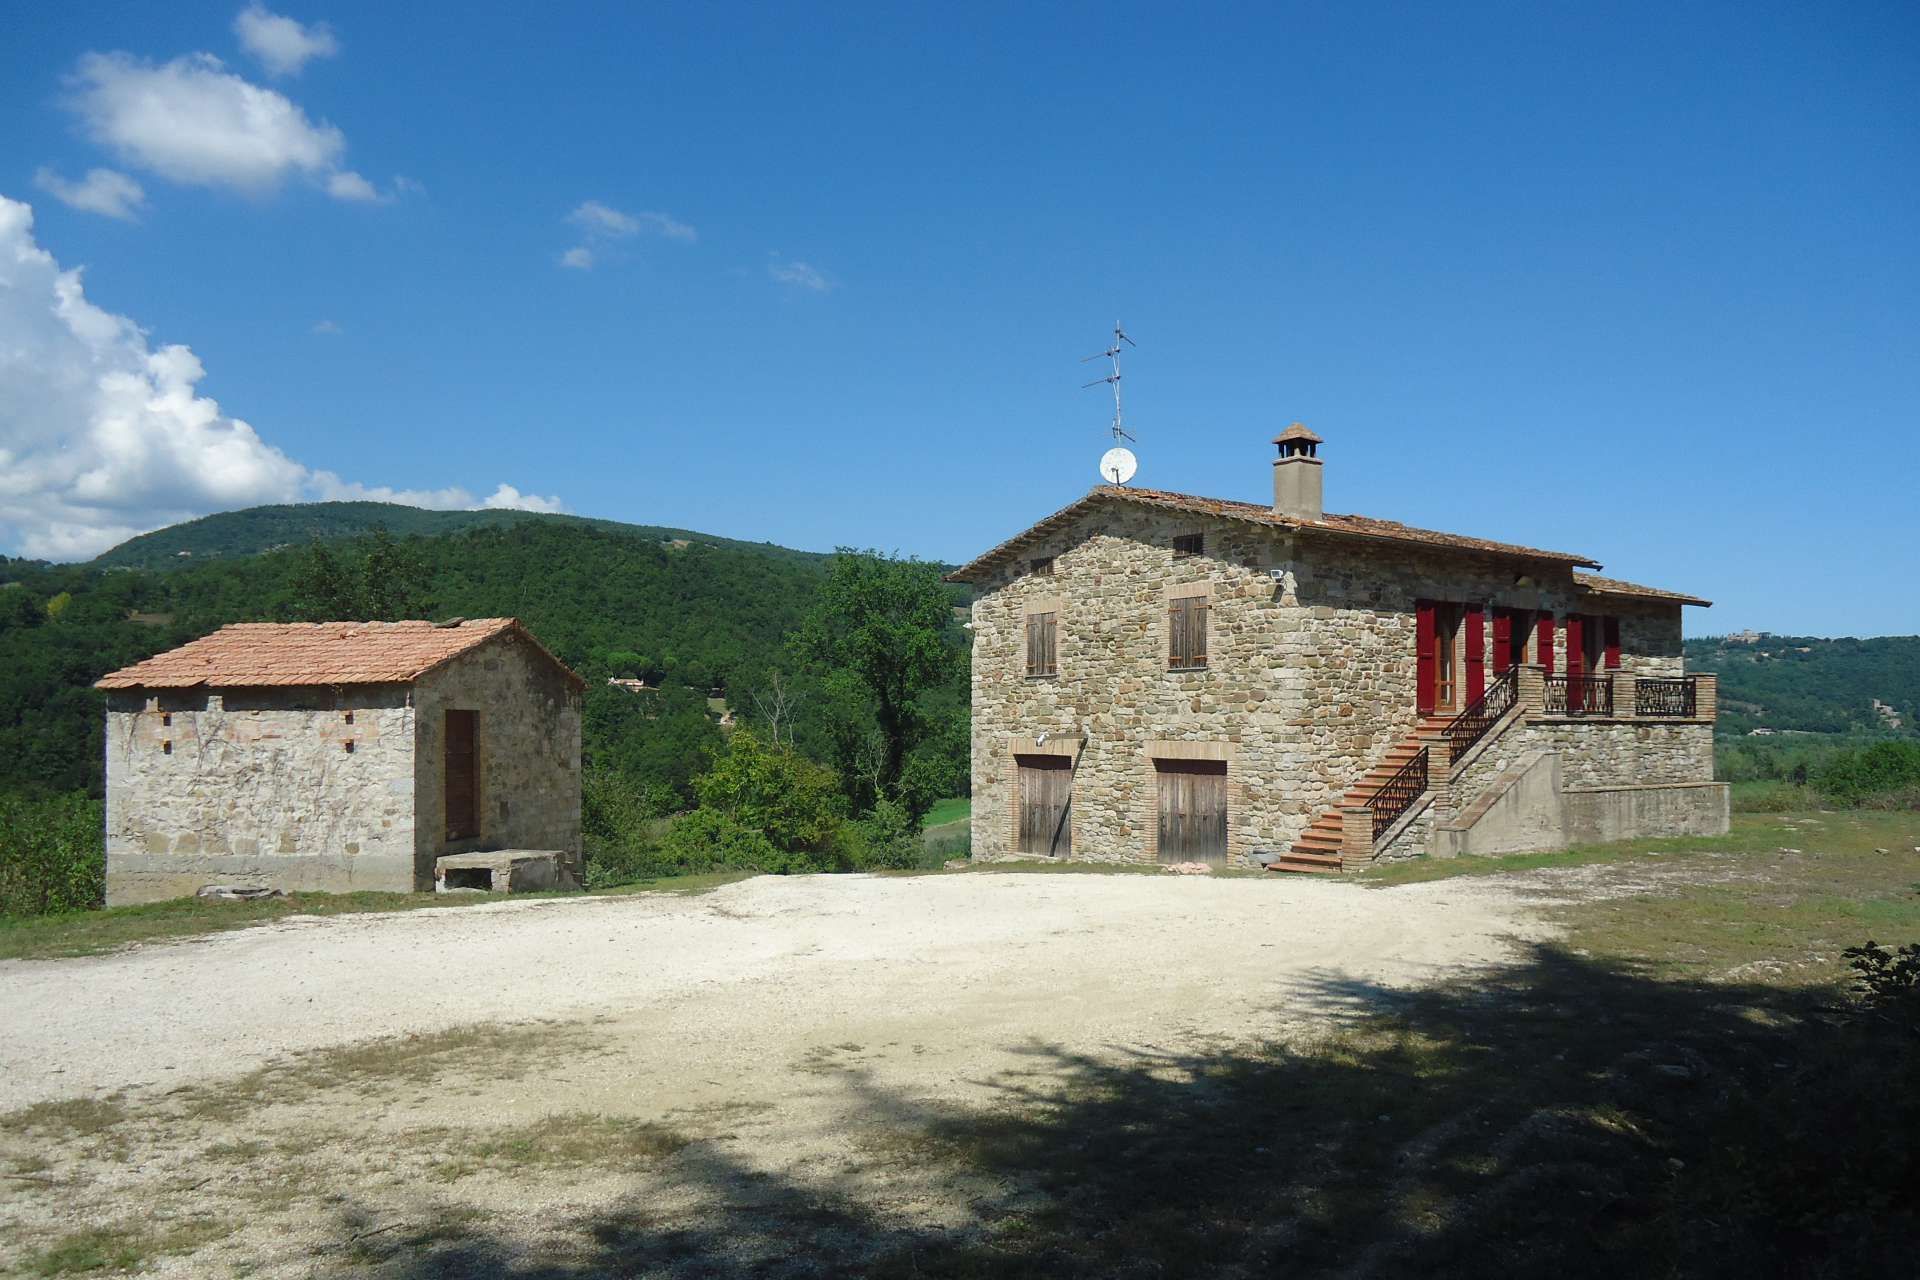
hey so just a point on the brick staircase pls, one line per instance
(1317, 852)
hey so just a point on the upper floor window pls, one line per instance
(1041, 567)
(1187, 633)
(1043, 647)
(1188, 544)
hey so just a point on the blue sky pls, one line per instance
(1642, 283)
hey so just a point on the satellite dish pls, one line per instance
(1118, 465)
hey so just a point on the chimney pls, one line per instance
(1296, 475)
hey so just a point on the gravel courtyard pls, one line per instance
(302, 1098)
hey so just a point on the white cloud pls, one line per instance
(103, 436)
(103, 191)
(282, 44)
(580, 258)
(192, 121)
(799, 275)
(325, 326)
(600, 219)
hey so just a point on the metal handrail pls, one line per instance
(1472, 724)
(1581, 695)
(1666, 696)
(1397, 794)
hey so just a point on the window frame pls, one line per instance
(1198, 547)
(1043, 664)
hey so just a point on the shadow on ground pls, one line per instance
(1561, 1117)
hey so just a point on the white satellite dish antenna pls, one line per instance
(1117, 465)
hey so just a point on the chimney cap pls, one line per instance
(1297, 432)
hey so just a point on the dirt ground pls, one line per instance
(484, 1091)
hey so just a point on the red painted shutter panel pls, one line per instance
(1613, 644)
(1476, 653)
(1502, 641)
(1423, 653)
(1545, 642)
(1576, 648)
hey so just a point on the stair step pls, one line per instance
(1312, 864)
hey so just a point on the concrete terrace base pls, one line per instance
(140, 877)
(1526, 808)
(502, 871)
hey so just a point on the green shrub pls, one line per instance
(1773, 797)
(1853, 776)
(52, 855)
(708, 840)
(774, 790)
(1887, 981)
(888, 839)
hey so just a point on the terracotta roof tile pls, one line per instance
(1615, 587)
(255, 654)
(1254, 513)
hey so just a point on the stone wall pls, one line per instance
(1309, 681)
(259, 787)
(529, 754)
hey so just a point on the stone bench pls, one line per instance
(501, 871)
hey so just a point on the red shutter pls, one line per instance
(1576, 649)
(1502, 641)
(1476, 653)
(1423, 654)
(1545, 642)
(1613, 643)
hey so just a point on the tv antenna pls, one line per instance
(1112, 356)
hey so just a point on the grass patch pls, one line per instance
(123, 1247)
(67, 1118)
(570, 1140)
(946, 812)
(84, 933)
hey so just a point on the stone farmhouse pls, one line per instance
(1158, 676)
(338, 755)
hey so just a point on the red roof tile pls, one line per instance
(1614, 587)
(1254, 513)
(254, 654)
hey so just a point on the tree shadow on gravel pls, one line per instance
(1557, 1117)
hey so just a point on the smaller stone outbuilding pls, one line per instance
(338, 756)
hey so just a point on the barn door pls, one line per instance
(1046, 805)
(1193, 810)
(463, 774)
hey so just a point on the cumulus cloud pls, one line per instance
(580, 258)
(103, 436)
(194, 122)
(281, 44)
(103, 191)
(799, 275)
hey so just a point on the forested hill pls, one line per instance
(256, 530)
(1813, 685)
(688, 616)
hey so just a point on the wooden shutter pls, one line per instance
(462, 774)
(1476, 653)
(1613, 642)
(1576, 651)
(1046, 804)
(1193, 810)
(1502, 641)
(1187, 632)
(1424, 674)
(1043, 657)
(1544, 642)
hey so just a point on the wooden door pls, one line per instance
(1193, 810)
(1046, 805)
(463, 774)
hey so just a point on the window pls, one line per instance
(1187, 633)
(1041, 567)
(1043, 649)
(1188, 544)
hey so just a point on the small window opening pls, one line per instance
(349, 746)
(166, 719)
(470, 878)
(1042, 567)
(166, 748)
(1188, 544)
(348, 717)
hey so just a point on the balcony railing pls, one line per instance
(1582, 695)
(1666, 697)
(1472, 724)
(1398, 793)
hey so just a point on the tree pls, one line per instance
(878, 634)
(386, 585)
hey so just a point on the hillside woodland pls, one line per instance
(734, 643)
(1805, 684)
